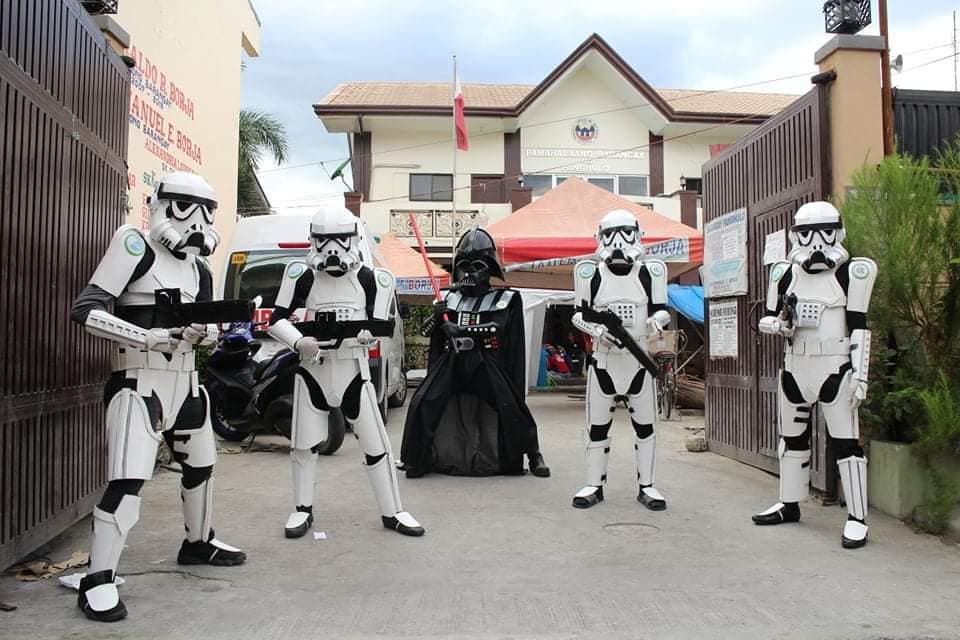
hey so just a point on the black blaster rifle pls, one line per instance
(169, 312)
(788, 312)
(326, 328)
(621, 337)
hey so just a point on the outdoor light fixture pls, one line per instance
(846, 16)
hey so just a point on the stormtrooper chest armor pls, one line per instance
(626, 297)
(343, 296)
(821, 304)
(166, 272)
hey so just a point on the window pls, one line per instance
(431, 187)
(258, 273)
(603, 183)
(487, 189)
(692, 184)
(633, 185)
(539, 183)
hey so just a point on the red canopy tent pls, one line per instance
(562, 223)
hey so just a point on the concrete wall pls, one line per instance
(185, 97)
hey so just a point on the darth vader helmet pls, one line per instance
(181, 214)
(475, 263)
(816, 238)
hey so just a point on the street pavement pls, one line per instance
(508, 557)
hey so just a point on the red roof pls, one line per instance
(402, 260)
(563, 222)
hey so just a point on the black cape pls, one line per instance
(469, 417)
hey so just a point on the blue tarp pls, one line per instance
(686, 299)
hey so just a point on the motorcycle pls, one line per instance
(249, 397)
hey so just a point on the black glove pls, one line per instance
(439, 310)
(450, 330)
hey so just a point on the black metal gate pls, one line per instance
(770, 172)
(63, 146)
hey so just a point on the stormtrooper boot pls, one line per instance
(383, 479)
(853, 477)
(794, 479)
(646, 450)
(99, 599)
(304, 466)
(200, 545)
(597, 454)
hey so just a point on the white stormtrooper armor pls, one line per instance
(335, 280)
(635, 289)
(826, 360)
(153, 393)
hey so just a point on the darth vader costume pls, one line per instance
(469, 417)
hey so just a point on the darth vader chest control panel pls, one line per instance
(484, 318)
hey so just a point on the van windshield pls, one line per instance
(258, 273)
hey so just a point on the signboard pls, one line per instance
(723, 329)
(775, 247)
(418, 286)
(725, 255)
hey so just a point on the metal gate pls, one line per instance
(771, 172)
(63, 146)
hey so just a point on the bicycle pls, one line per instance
(665, 349)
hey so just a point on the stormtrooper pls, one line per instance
(633, 288)
(469, 417)
(818, 301)
(335, 283)
(153, 393)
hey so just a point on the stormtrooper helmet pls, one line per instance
(334, 241)
(618, 239)
(475, 263)
(181, 214)
(816, 238)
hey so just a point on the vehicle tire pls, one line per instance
(223, 428)
(400, 397)
(336, 427)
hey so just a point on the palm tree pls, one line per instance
(259, 132)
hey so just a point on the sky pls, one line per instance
(308, 47)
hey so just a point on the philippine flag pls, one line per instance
(460, 122)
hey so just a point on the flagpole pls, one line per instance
(453, 181)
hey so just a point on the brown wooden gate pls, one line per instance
(771, 172)
(63, 146)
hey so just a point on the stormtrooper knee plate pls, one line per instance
(131, 441)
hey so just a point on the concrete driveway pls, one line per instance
(510, 558)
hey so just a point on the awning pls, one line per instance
(687, 300)
(562, 224)
(407, 266)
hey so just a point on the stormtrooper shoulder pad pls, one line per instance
(863, 275)
(658, 280)
(583, 274)
(781, 273)
(288, 286)
(128, 248)
(386, 285)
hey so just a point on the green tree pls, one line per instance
(259, 133)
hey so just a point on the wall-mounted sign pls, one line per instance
(725, 255)
(585, 130)
(723, 329)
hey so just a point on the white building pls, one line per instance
(593, 117)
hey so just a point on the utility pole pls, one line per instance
(954, 50)
(887, 95)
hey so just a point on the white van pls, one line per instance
(260, 249)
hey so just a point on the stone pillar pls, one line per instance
(352, 200)
(520, 197)
(688, 208)
(855, 105)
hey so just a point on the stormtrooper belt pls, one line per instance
(819, 347)
(128, 358)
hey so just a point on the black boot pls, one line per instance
(111, 607)
(211, 552)
(537, 466)
(585, 502)
(779, 513)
